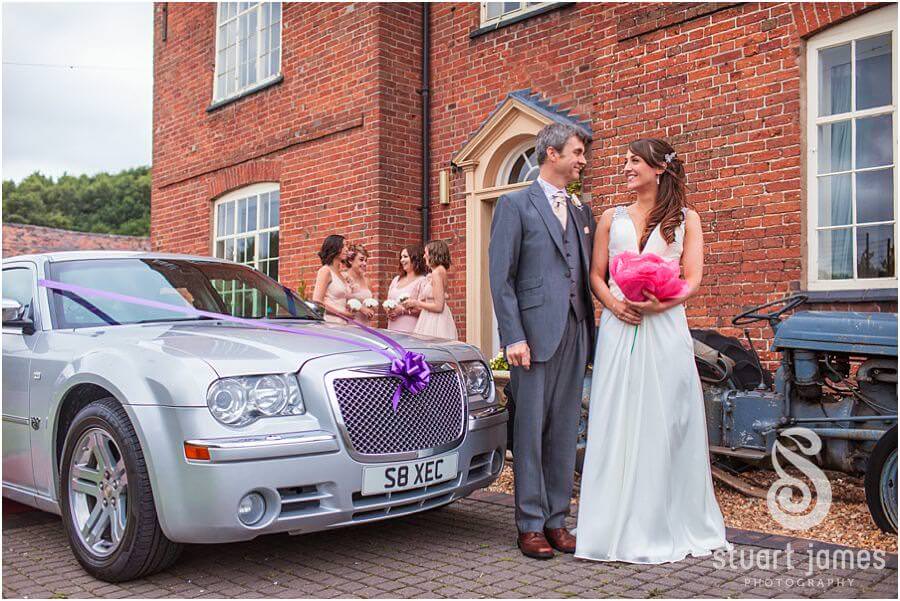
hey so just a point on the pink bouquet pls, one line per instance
(636, 273)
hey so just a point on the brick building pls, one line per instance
(785, 115)
(21, 239)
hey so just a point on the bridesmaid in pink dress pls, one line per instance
(331, 289)
(356, 261)
(435, 318)
(412, 265)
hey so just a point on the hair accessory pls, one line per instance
(670, 156)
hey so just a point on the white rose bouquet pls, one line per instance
(354, 305)
(389, 305)
(403, 297)
(371, 303)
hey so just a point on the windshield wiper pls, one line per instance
(165, 319)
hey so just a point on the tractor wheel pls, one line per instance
(881, 482)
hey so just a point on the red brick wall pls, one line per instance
(721, 81)
(340, 133)
(725, 90)
(30, 239)
(552, 54)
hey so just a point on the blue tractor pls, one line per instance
(837, 377)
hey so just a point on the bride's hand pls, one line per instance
(651, 305)
(625, 313)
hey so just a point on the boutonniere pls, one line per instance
(576, 202)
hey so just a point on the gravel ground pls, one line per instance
(847, 523)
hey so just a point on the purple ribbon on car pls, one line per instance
(412, 369)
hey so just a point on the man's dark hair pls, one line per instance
(556, 135)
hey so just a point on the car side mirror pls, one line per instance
(13, 316)
(11, 310)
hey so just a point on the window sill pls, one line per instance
(258, 87)
(851, 296)
(518, 18)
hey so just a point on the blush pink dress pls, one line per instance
(404, 323)
(360, 293)
(336, 295)
(437, 325)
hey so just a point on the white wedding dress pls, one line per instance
(646, 488)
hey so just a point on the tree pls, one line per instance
(104, 203)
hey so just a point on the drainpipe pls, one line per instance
(426, 120)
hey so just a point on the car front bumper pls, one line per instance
(308, 479)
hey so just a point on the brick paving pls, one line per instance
(464, 550)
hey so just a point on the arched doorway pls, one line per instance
(498, 159)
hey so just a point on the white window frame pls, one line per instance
(259, 40)
(880, 21)
(510, 161)
(523, 9)
(239, 194)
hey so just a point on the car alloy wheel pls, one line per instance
(98, 492)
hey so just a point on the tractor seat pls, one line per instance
(745, 373)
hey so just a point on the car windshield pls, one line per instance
(205, 285)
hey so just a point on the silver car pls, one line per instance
(146, 428)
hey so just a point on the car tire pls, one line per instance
(881, 482)
(106, 499)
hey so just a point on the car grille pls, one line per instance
(432, 418)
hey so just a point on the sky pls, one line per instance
(92, 110)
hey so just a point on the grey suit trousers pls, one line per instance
(548, 408)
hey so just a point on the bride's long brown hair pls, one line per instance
(671, 197)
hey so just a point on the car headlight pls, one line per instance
(242, 400)
(478, 378)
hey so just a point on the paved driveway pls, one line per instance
(464, 550)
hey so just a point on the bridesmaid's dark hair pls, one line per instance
(671, 197)
(439, 253)
(416, 259)
(331, 248)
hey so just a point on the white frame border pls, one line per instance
(238, 194)
(879, 21)
(258, 83)
(510, 15)
(506, 167)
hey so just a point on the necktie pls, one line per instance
(558, 202)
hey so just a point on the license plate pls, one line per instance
(409, 475)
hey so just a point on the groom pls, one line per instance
(540, 250)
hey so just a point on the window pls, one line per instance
(246, 231)
(246, 227)
(852, 133)
(520, 167)
(18, 285)
(495, 12)
(248, 46)
(184, 284)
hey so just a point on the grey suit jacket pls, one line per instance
(528, 269)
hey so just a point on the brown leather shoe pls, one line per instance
(534, 544)
(561, 539)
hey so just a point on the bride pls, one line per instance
(646, 488)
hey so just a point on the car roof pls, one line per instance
(86, 255)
